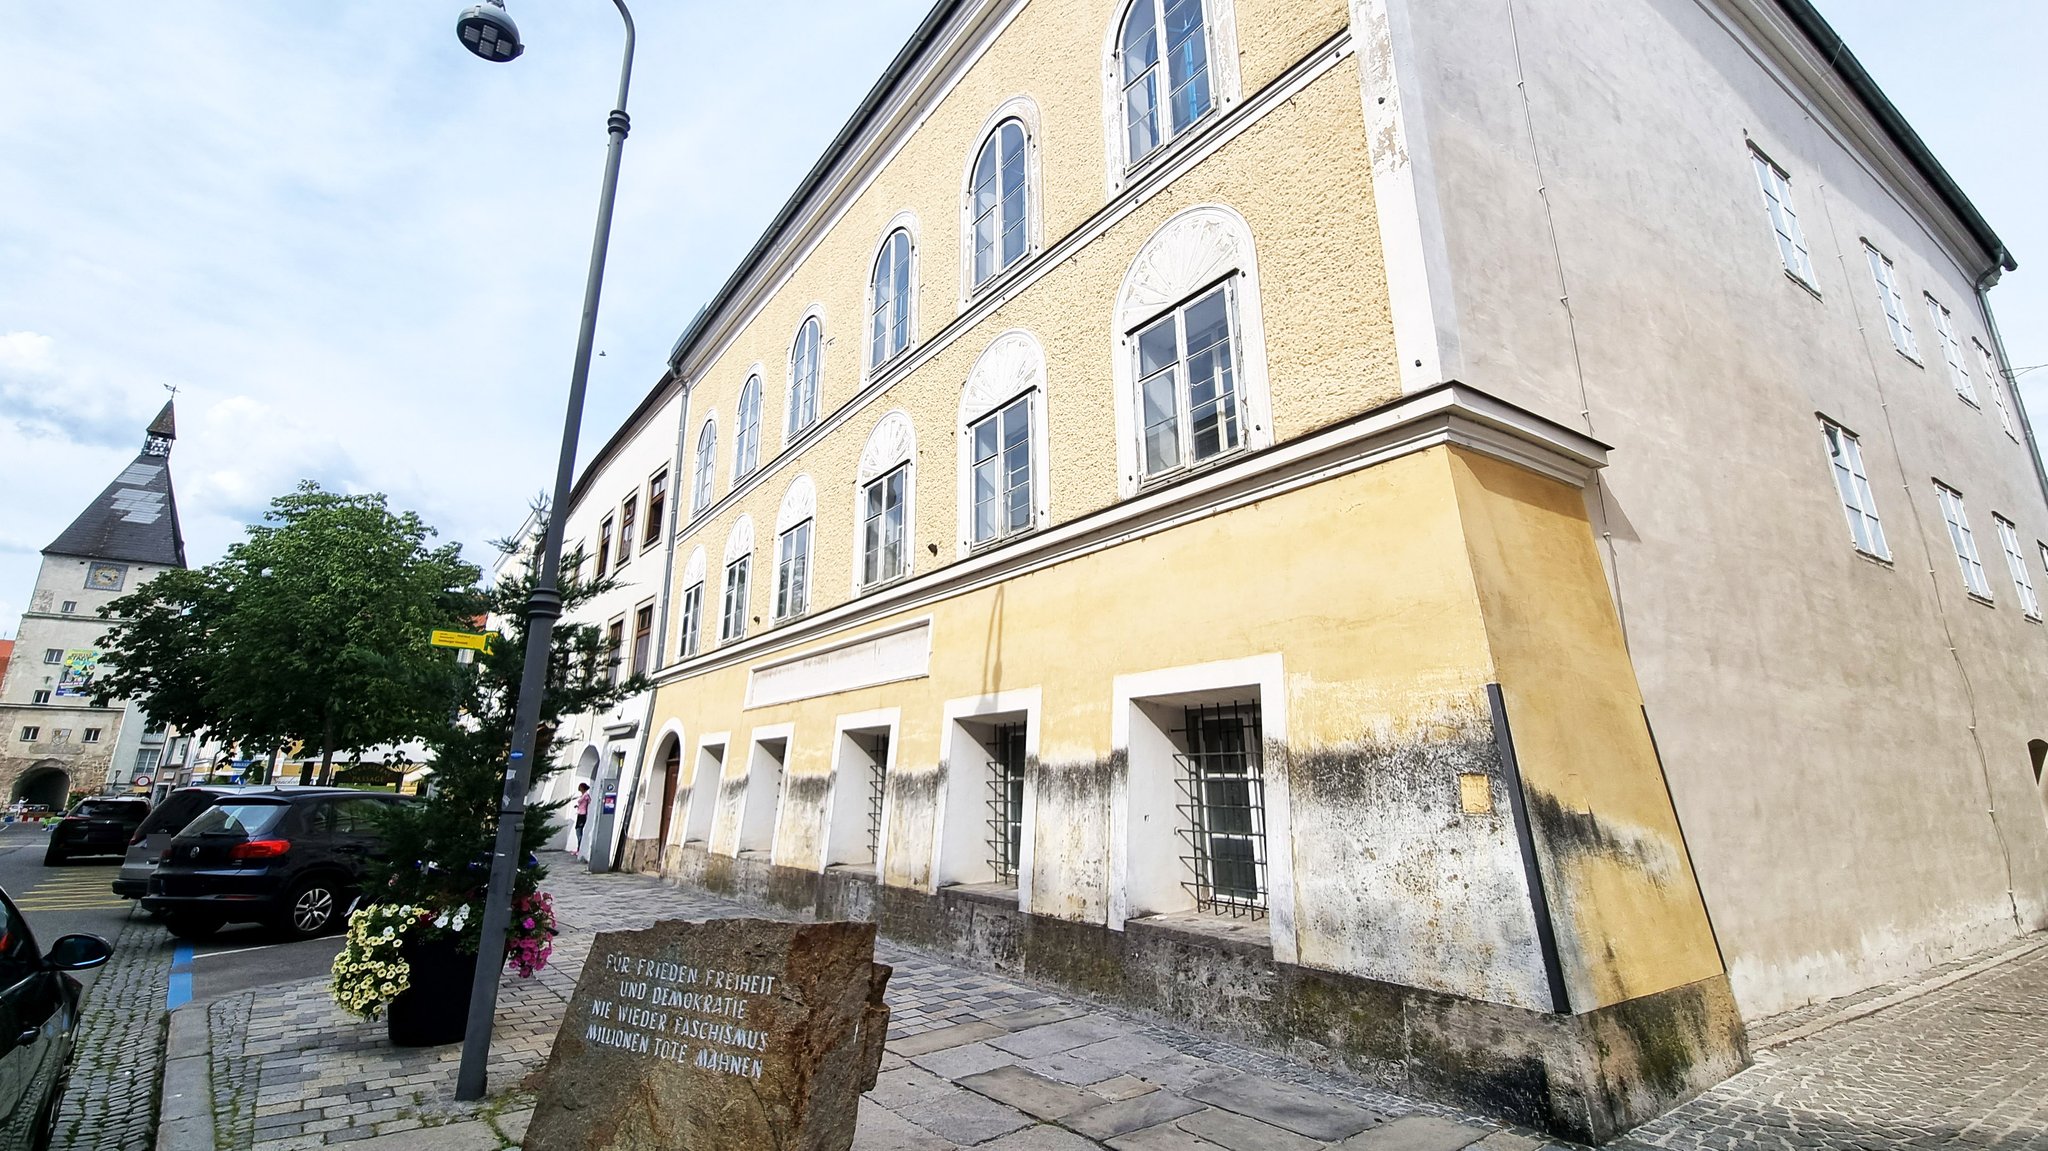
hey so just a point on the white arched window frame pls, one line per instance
(806, 369)
(794, 532)
(885, 483)
(736, 589)
(891, 314)
(1019, 116)
(746, 441)
(1218, 46)
(1011, 370)
(690, 619)
(1199, 249)
(705, 466)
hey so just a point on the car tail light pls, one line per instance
(260, 849)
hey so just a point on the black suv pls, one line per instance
(98, 826)
(293, 859)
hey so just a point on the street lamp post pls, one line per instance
(487, 31)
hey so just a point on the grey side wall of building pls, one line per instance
(1846, 740)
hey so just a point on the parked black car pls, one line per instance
(38, 1020)
(102, 825)
(146, 846)
(290, 858)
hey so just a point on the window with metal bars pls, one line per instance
(876, 745)
(1223, 808)
(1006, 801)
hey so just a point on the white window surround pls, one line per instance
(1197, 248)
(799, 505)
(1776, 185)
(960, 848)
(707, 776)
(906, 221)
(1995, 381)
(1891, 302)
(739, 545)
(1852, 488)
(746, 439)
(2016, 566)
(846, 809)
(791, 407)
(1145, 853)
(1951, 349)
(1219, 21)
(1963, 540)
(688, 644)
(1025, 111)
(704, 468)
(893, 442)
(1012, 365)
(759, 818)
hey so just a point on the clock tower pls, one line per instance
(53, 741)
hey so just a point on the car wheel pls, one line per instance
(192, 927)
(53, 857)
(312, 908)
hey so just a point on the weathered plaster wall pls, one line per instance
(1386, 649)
(1629, 917)
(1299, 176)
(1817, 730)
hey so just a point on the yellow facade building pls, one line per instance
(1085, 557)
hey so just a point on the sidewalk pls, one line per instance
(973, 1060)
(982, 1061)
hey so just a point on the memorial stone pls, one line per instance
(716, 1035)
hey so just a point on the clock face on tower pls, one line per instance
(106, 577)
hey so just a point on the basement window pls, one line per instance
(1223, 809)
(1006, 802)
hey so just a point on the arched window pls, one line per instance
(883, 509)
(739, 561)
(793, 548)
(746, 448)
(804, 357)
(707, 461)
(1191, 365)
(889, 293)
(1003, 466)
(690, 624)
(1164, 58)
(998, 202)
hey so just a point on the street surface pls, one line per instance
(975, 1058)
(78, 897)
(978, 1059)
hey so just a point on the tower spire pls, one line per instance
(162, 430)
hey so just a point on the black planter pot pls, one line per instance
(434, 1007)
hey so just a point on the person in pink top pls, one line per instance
(582, 814)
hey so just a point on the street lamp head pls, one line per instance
(487, 31)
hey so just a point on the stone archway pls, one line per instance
(46, 783)
(671, 777)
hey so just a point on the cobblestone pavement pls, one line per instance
(111, 1102)
(978, 1060)
(1964, 1066)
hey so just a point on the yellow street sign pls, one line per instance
(474, 641)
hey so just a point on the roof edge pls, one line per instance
(870, 105)
(1851, 71)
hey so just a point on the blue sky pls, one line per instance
(359, 252)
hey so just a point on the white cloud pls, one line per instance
(358, 251)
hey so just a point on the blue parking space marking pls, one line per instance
(180, 991)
